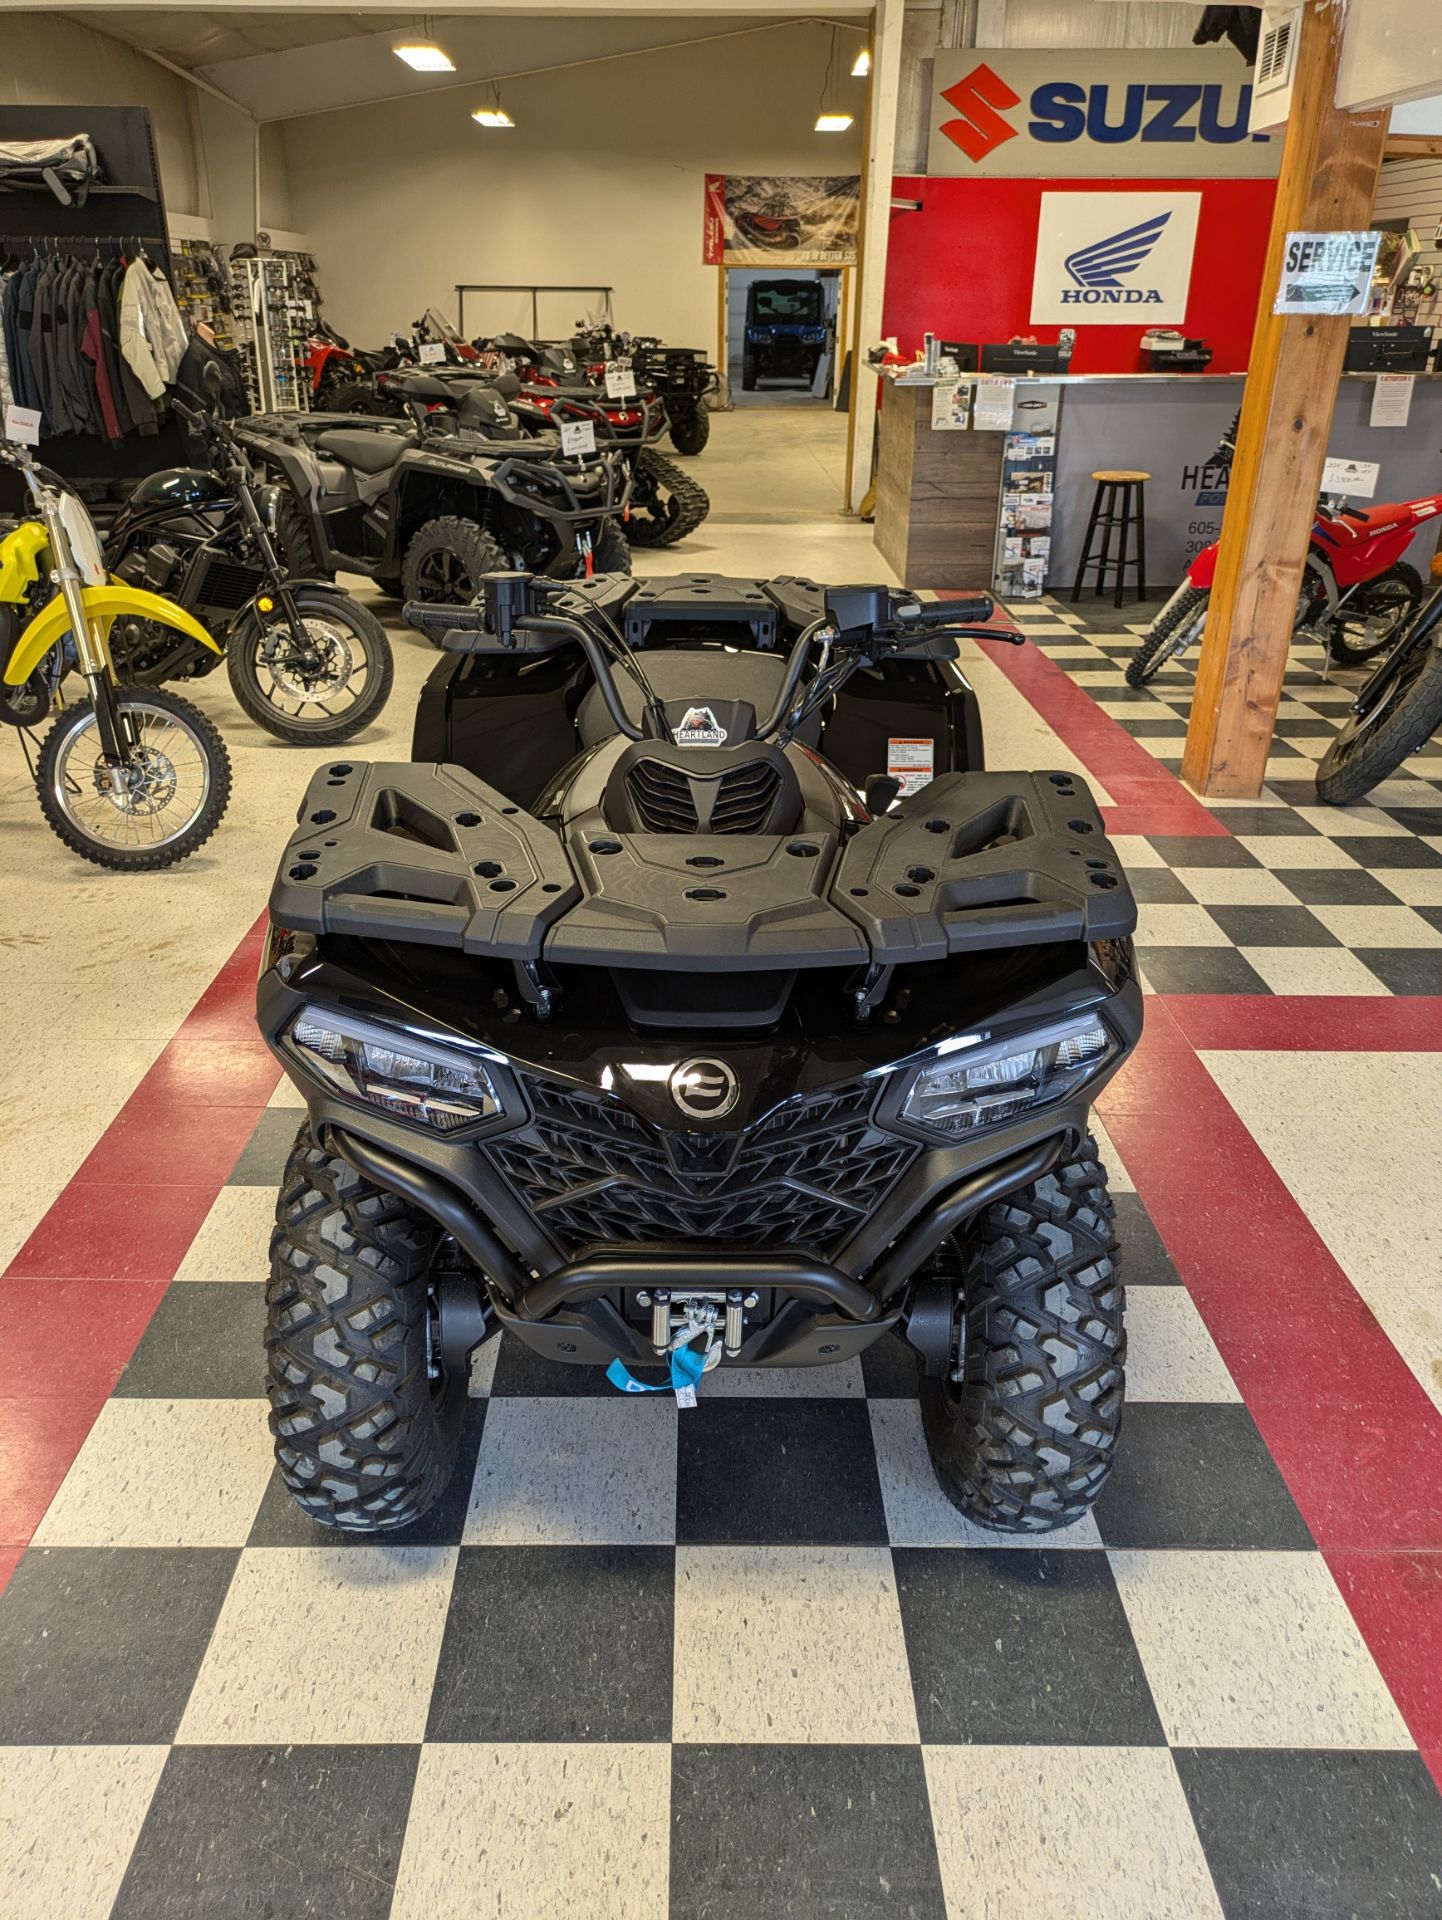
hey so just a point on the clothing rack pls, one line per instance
(122, 217)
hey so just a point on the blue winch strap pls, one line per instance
(686, 1370)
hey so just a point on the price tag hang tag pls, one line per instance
(578, 436)
(22, 425)
(620, 381)
(1351, 476)
(430, 352)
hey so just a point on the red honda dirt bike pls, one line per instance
(1357, 591)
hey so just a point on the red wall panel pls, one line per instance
(962, 267)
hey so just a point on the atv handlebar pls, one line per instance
(860, 626)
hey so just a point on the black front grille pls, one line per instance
(228, 583)
(804, 1178)
(665, 801)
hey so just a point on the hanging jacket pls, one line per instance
(92, 345)
(152, 333)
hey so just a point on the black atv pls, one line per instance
(663, 503)
(785, 333)
(427, 508)
(633, 1030)
(681, 378)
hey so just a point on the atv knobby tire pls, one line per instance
(668, 504)
(360, 396)
(292, 537)
(364, 1439)
(690, 427)
(1024, 1441)
(445, 560)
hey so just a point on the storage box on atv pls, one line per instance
(431, 854)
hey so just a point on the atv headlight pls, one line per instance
(964, 1091)
(438, 1089)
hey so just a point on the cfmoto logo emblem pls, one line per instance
(704, 1089)
(976, 97)
(1096, 268)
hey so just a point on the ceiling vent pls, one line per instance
(1276, 70)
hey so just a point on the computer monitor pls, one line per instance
(963, 352)
(1014, 356)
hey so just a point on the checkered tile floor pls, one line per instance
(738, 1661)
(1301, 898)
(745, 1661)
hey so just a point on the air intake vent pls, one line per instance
(668, 800)
(1276, 70)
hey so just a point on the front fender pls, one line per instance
(103, 604)
(20, 553)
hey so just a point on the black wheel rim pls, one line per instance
(443, 578)
(1390, 603)
(1360, 726)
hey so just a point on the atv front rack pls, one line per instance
(430, 854)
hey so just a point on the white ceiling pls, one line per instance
(278, 64)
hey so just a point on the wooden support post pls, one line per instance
(1328, 181)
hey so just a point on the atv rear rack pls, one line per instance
(432, 855)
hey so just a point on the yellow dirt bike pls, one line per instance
(133, 778)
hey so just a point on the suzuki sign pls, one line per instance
(1169, 112)
(1119, 259)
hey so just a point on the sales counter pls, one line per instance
(958, 507)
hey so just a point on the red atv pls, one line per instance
(340, 374)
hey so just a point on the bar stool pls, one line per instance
(1117, 507)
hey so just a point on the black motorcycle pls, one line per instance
(305, 660)
(1397, 710)
(634, 1030)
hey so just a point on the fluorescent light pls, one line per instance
(492, 117)
(861, 65)
(832, 122)
(425, 57)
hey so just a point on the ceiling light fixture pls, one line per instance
(425, 57)
(861, 65)
(495, 114)
(830, 119)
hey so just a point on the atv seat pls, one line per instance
(365, 451)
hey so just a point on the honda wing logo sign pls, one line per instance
(1133, 266)
(1166, 112)
(1098, 269)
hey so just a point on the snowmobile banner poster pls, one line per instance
(764, 220)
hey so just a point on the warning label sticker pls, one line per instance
(912, 762)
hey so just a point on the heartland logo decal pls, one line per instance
(977, 97)
(699, 728)
(1095, 268)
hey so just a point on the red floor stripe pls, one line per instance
(1364, 1023)
(80, 1292)
(1142, 790)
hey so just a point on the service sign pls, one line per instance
(1168, 112)
(1114, 259)
(1327, 272)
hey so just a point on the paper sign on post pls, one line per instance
(22, 424)
(620, 381)
(1391, 400)
(950, 407)
(993, 403)
(1351, 476)
(578, 436)
(1327, 272)
(429, 352)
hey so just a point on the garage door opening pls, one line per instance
(781, 335)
